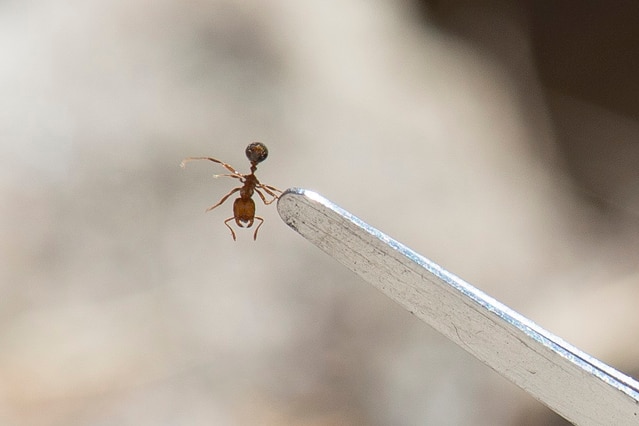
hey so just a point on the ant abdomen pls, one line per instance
(256, 152)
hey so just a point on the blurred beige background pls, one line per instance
(445, 124)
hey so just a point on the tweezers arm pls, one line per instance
(575, 385)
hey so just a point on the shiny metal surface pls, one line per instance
(577, 386)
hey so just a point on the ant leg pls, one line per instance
(264, 198)
(231, 176)
(226, 222)
(258, 227)
(223, 199)
(268, 190)
(226, 166)
(272, 188)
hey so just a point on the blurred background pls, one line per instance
(497, 138)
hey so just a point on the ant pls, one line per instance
(244, 206)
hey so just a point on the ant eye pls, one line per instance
(256, 152)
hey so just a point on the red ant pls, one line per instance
(244, 207)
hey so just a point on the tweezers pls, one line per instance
(582, 389)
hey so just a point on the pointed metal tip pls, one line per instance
(577, 386)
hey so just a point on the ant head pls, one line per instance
(256, 152)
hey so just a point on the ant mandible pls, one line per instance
(244, 206)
